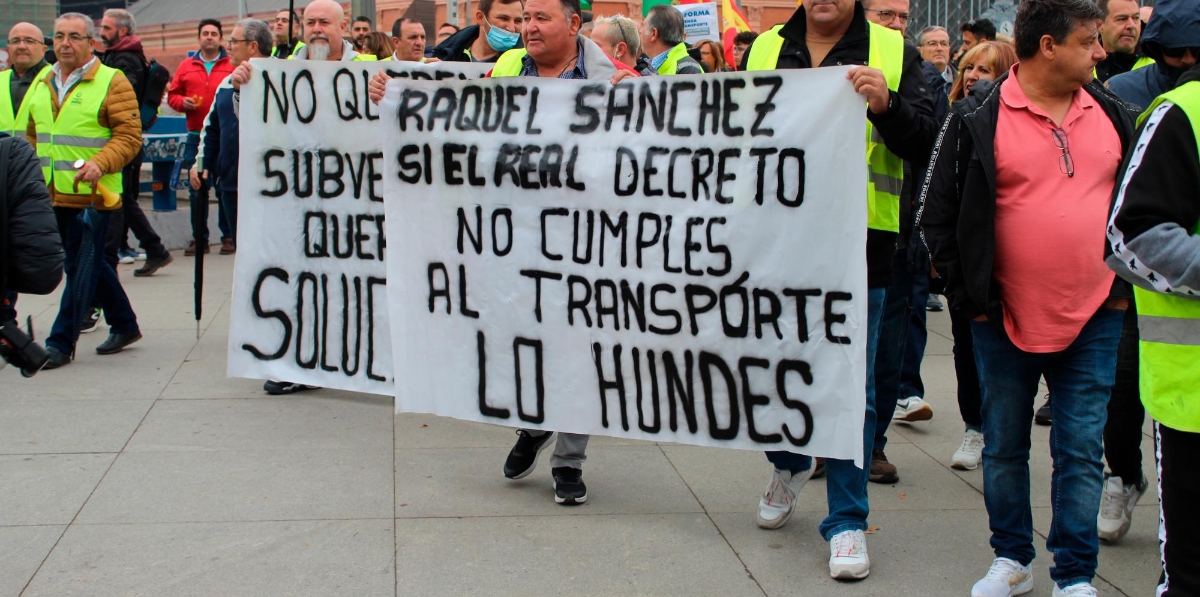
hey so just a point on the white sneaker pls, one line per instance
(1082, 589)
(1006, 578)
(779, 500)
(848, 556)
(913, 408)
(968, 456)
(1116, 508)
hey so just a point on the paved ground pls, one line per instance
(151, 473)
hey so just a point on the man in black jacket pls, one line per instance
(33, 253)
(123, 51)
(499, 30)
(834, 33)
(1013, 212)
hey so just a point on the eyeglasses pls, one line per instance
(1065, 164)
(26, 41)
(73, 38)
(1179, 52)
(936, 44)
(234, 40)
(888, 15)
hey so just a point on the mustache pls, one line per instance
(318, 37)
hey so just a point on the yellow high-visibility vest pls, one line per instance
(1169, 323)
(76, 135)
(885, 175)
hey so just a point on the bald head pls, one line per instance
(324, 29)
(26, 46)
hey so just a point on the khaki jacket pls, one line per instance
(121, 114)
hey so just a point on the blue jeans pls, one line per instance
(190, 149)
(106, 291)
(918, 335)
(891, 357)
(846, 484)
(227, 213)
(1080, 378)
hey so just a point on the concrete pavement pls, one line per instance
(151, 473)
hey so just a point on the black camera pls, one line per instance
(18, 348)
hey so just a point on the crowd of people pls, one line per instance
(1045, 185)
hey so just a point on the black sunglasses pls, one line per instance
(1179, 52)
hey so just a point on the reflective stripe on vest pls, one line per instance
(885, 170)
(15, 125)
(77, 135)
(1169, 325)
(670, 66)
(509, 64)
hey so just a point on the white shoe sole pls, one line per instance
(566, 501)
(772, 524)
(924, 413)
(849, 571)
(1021, 588)
(962, 466)
(529, 470)
(1116, 534)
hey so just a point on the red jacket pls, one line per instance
(191, 80)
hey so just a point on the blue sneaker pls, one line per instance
(126, 256)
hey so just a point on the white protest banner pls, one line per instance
(676, 259)
(700, 22)
(308, 301)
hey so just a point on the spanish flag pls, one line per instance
(732, 23)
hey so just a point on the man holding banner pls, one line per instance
(554, 49)
(325, 23)
(900, 128)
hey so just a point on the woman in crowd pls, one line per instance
(984, 62)
(379, 45)
(712, 57)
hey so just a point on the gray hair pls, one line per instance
(622, 29)
(88, 23)
(669, 22)
(927, 31)
(123, 19)
(259, 32)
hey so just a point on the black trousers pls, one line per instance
(970, 400)
(131, 217)
(1123, 431)
(1178, 494)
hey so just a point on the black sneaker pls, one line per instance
(57, 359)
(277, 388)
(117, 342)
(523, 457)
(568, 486)
(1044, 416)
(153, 265)
(89, 324)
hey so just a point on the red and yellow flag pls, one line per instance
(732, 23)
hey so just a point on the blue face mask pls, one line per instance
(501, 40)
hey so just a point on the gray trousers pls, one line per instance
(569, 449)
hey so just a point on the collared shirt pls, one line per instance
(658, 61)
(19, 85)
(61, 87)
(1048, 263)
(948, 74)
(529, 69)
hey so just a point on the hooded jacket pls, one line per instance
(958, 198)
(456, 47)
(192, 79)
(1152, 219)
(1176, 24)
(35, 253)
(128, 57)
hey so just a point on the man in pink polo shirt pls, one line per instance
(1014, 213)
